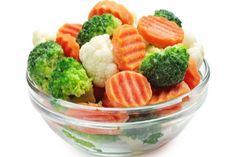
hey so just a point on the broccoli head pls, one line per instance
(168, 15)
(166, 68)
(69, 79)
(42, 61)
(98, 25)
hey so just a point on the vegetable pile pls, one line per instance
(109, 61)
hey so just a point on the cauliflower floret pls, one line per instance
(195, 49)
(40, 36)
(189, 39)
(97, 58)
(197, 52)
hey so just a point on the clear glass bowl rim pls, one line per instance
(70, 105)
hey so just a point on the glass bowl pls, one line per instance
(120, 131)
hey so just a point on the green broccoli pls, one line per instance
(166, 68)
(42, 61)
(168, 15)
(69, 79)
(150, 134)
(97, 25)
(81, 142)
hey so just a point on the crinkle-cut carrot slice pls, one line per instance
(69, 45)
(113, 8)
(192, 76)
(107, 103)
(129, 47)
(128, 89)
(165, 94)
(72, 29)
(159, 31)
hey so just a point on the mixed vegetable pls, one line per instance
(109, 61)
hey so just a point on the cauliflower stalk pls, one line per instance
(97, 58)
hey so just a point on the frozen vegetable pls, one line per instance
(192, 76)
(40, 36)
(97, 58)
(168, 15)
(42, 61)
(167, 68)
(129, 47)
(111, 7)
(71, 29)
(196, 51)
(70, 47)
(159, 31)
(69, 78)
(66, 37)
(128, 89)
(97, 25)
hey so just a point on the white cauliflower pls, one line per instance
(40, 36)
(97, 58)
(189, 39)
(195, 49)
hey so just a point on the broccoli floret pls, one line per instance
(168, 15)
(98, 25)
(69, 79)
(167, 68)
(42, 61)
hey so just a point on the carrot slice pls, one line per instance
(165, 94)
(128, 89)
(98, 116)
(129, 47)
(113, 8)
(159, 31)
(107, 103)
(69, 45)
(72, 29)
(192, 76)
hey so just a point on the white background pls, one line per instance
(211, 132)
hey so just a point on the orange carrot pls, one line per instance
(98, 116)
(69, 45)
(129, 47)
(165, 94)
(192, 76)
(113, 8)
(106, 102)
(159, 31)
(66, 37)
(72, 29)
(128, 89)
